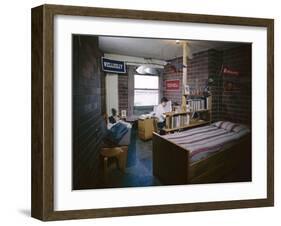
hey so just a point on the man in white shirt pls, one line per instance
(159, 113)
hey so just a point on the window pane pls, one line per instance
(146, 97)
(146, 82)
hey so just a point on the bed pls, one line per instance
(220, 152)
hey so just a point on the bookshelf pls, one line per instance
(181, 120)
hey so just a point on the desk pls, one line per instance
(146, 127)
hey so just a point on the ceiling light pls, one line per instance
(145, 69)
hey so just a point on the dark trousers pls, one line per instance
(160, 127)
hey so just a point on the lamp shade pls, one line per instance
(145, 69)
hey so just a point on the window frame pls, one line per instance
(158, 89)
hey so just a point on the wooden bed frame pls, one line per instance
(171, 163)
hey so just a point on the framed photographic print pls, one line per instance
(114, 131)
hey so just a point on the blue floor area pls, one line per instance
(139, 166)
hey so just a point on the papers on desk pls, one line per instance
(145, 116)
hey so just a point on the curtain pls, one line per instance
(131, 71)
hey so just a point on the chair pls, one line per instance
(118, 153)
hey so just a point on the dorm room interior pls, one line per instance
(155, 112)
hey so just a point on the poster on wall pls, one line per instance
(230, 72)
(172, 85)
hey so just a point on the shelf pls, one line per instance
(202, 110)
(185, 112)
(192, 124)
(176, 113)
(200, 95)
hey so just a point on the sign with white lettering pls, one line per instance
(172, 85)
(227, 71)
(113, 66)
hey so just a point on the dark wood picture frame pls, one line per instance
(42, 203)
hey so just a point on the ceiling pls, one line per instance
(161, 49)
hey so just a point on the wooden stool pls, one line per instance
(120, 153)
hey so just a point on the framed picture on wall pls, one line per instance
(103, 143)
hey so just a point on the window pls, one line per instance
(146, 90)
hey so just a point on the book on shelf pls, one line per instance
(208, 102)
(199, 104)
(178, 121)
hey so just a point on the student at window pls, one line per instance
(159, 112)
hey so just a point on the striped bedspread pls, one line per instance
(203, 141)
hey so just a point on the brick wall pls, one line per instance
(236, 102)
(123, 92)
(197, 75)
(88, 107)
(172, 71)
(216, 87)
(198, 72)
(124, 100)
(232, 105)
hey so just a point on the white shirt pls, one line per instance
(159, 113)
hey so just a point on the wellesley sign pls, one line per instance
(113, 66)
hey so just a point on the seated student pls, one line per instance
(114, 117)
(159, 113)
(117, 129)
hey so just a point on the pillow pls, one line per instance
(217, 124)
(240, 127)
(228, 126)
(224, 125)
(231, 127)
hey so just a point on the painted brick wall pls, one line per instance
(198, 72)
(216, 87)
(173, 71)
(226, 105)
(123, 92)
(232, 105)
(197, 75)
(124, 100)
(236, 103)
(88, 107)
